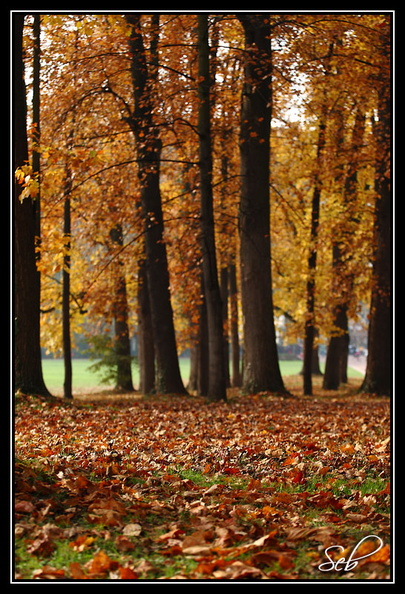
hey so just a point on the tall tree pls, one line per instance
(234, 327)
(310, 329)
(344, 233)
(146, 347)
(28, 366)
(149, 148)
(66, 334)
(261, 367)
(122, 345)
(379, 361)
(216, 353)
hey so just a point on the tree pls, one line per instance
(379, 361)
(66, 336)
(122, 346)
(261, 368)
(216, 354)
(85, 62)
(310, 327)
(149, 148)
(343, 239)
(27, 351)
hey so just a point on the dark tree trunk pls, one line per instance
(235, 347)
(310, 329)
(203, 349)
(337, 355)
(379, 361)
(193, 376)
(261, 367)
(145, 335)
(27, 351)
(225, 315)
(66, 338)
(36, 120)
(216, 373)
(122, 345)
(149, 147)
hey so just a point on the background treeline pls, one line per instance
(189, 177)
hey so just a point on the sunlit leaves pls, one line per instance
(86, 98)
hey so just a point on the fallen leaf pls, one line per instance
(48, 573)
(24, 507)
(101, 564)
(77, 572)
(82, 542)
(132, 530)
(126, 573)
(124, 544)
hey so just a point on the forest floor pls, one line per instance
(262, 487)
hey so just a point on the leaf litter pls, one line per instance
(178, 488)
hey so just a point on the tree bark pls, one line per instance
(122, 345)
(66, 337)
(379, 361)
(145, 335)
(216, 372)
(337, 355)
(234, 321)
(261, 367)
(224, 282)
(27, 352)
(36, 120)
(310, 329)
(149, 147)
(203, 348)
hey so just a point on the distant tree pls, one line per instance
(122, 346)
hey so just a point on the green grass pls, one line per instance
(53, 371)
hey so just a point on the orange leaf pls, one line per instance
(293, 459)
(77, 572)
(126, 573)
(82, 542)
(101, 564)
(381, 556)
(48, 573)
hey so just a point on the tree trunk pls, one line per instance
(337, 355)
(224, 281)
(66, 338)
(122, 346)
(27, 351)
(146, 347)
(216, 373)
(203, 348)
(235, 347)
(310, 330)
(36, 120)
(148, 155)
(379, 361)
(261, 367)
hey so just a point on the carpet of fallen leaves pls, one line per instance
(178, 488)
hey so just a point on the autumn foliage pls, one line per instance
(256, 489)
(218, 183)
(127, 112)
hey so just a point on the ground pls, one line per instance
(259, 488)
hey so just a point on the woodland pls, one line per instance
(216, 183)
